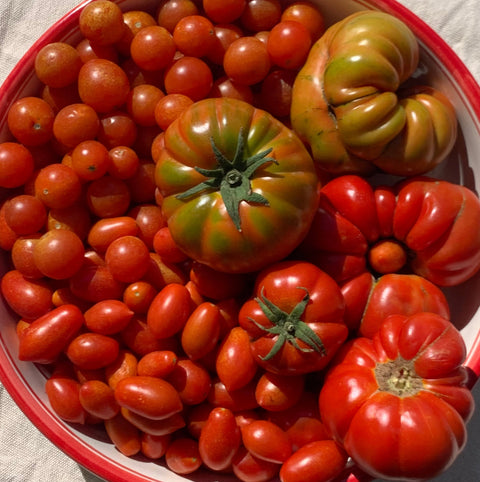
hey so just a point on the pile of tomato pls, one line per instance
(192, 280)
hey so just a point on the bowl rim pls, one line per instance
(42, 417)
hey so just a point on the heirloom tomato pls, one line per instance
(421, 225)
(399, 402)
(368, 301)
(295, 319)
(240, 189)
(349, 105)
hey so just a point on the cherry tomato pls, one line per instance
(141, 103)
(102, 22)
(246, 60)
(170, 12)
(152, 48)
(75, 123)
(189, 76)
(225, 34)
(138, 296)
(59, 253)
(108, 197)
(123, 163)
(158, 427)
(224, 11)
(155, 446)
(288, 44)
(30, 121)
(169, 108)
(25, 214)
(22, 256)
(127, 258)
(57, 64)
(16, 164)
(124, 366)
(308, 14)
(103, 85)
(57, 186)
(261, 15)
(276, 392)
(194, 35)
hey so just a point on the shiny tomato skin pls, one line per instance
(108, 317)
(235, 400)
(191, 380)
(46, 337)
(201, 331)
(158, 427)
(249, 468)
(63, 395)
(124, 435)
(276, 392)
(266, 441)
(235, 365)
(219, 439)
(286, 285)
(182, 456)
(29, 298)
(91, 351)
(149, 397)
(220, 244)
(104, 231)
(98, 399)
(169, 310)
(407, 368)
(124, 366)
(320, 461)
(155, 446)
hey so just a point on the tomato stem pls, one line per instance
(398, 377)
(232, 178)
(288, 326)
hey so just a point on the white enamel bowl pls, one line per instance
(439, 66)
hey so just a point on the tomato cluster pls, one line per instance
(187, 282)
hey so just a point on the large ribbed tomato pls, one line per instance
(422, 225)
(350, 105)
(239, 187)
(399, 402)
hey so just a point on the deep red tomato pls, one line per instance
(276, 393)
(295, 319)
(189, 76)
(155, 446)
(163, 426)
(64, 396)
(91, 351)
(249, 468)
(234, 364)
(307, 14)
(124, 435)
(223, 11)
(98, 399)
(194, 35)
(149, 397)
(267, 441)
(432, 221)
(16, 164)
(399, 403)
(169, 310)
(48, 336)
(59, 254)
(108, 317)
(201, 331)
(157, 363)
(29, 298)
(219, 439)
(319, 461)
(104, 231)
(183, 456)
(369, 301)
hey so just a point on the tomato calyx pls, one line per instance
(232, 178)
(288, 326)
(398, 377)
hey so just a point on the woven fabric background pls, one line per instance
(25, 454)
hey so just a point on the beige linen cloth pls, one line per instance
(25, 454)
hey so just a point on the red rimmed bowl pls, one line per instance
(439, 67)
